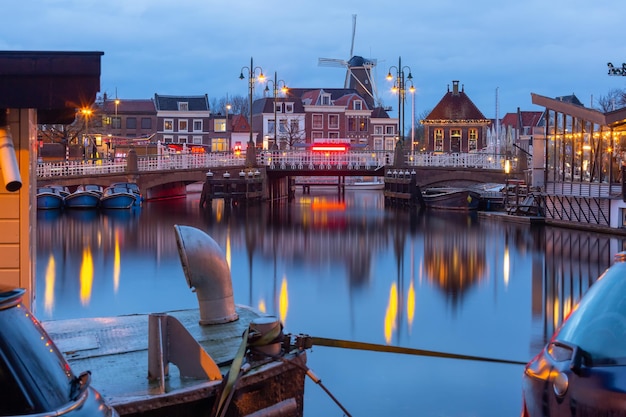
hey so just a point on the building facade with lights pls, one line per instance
(183, 119)
(455, 124)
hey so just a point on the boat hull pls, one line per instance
(118, 201)
(82, 200)
(451, 199)
(49, 201)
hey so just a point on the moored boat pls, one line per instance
(447, 198)
(85, 197)
(116, 198)
(49, 198)
(132, 188)
(361, 184)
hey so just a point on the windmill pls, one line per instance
(358, 71)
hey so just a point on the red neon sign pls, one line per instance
(329, 148)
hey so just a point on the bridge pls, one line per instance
(168, 173)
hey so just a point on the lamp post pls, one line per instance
(86, 114)
(251, 74)
(400, 86)
(275, 84)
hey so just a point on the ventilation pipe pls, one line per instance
(8, 160)
(207, 274)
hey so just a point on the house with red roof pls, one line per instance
(455, 124)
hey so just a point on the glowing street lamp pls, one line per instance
(252, 77)
(400, 87)
(87, 112)
(275, 86)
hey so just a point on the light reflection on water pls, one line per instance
(346, 269)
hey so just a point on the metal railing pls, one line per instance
(274, 160)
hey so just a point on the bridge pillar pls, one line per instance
(132, 166)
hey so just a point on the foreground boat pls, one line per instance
(49, 198)
(218, 371)
(116, 198)
(446, 198)
(132, 188)
(85, 197)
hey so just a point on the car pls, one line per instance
(35, 378)
(582, 369)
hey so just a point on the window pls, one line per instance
(378, 130)
(363, 126)
(168, 125)
(197, 125)
(351, 124)
(182, 125)
(438, 140)
(182, 139)
(333, 135)
(472, 144)
(390, 130)
(271, 125)
(279, 107)
(146, 123)
(131, 123)
(219, 145)
(219, 125)
(316, 135)
(183, 106)
(378, 143)
(196, 140)
(168, 139)
(333, 121)
(358, 105)
(282, 126)
(294, 126)
(288, 107)
(318, 121)
(325, 99)
(116, 122)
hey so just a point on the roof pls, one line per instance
(266, 104)
(195, 103)
(527, 118)
(129, 106)
(455, 105)
(240, 124)
(346, 99)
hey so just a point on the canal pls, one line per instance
(347, 269)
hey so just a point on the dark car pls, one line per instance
(35, 378)
(582, 370)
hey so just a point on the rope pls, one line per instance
(348, 344)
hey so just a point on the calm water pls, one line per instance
(347, 269)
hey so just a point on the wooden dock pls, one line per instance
(242, 189)
(115, 350)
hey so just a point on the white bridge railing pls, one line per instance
(274, 160)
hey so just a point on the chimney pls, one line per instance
(455, 88)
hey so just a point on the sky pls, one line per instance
(499, 51)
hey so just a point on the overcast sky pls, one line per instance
(500, 51)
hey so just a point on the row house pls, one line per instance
(455, 124)
(279, 121)
(183, 120)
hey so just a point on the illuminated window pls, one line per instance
(438, 140)
(220, 125)
(183, 125)
(473, 140)
(363, 125)
(168, 125)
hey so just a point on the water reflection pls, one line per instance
(348, 269)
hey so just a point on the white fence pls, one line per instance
(272, 160)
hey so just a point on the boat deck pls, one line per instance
(115, 350)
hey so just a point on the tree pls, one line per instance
(289, 133)
(615, 99)
(238, 105)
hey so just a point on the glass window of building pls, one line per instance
(438, 140)
(318, 121)
(183, 125)
(288, 107)
(131, 123)
(358, 105)
(183, 106)
(219, 125)
(472, 143)
(146, 123)
(116, 122)
(333, 121)
(390, 130)
(168, 125)
(197, 125)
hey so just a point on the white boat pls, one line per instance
(360, 184)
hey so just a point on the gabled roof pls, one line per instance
(145, 106)
(335, 93)
(455, 106)
(170, 103)
(379, 113)
(240, 124)
(266, 104)
(349, 98)
(526, 118)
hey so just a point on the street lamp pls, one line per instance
(251, 74)
(86, 114)
(275, 86)
(400, 86)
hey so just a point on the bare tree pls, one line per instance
(289, 134)
(615, 99)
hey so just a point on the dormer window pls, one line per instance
(279, 107)
(325, 99)
(288, 107)
(358, 105)
(183, 106)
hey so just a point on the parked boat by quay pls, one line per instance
(85, 197)
(49, 198)
(361, 184)
(218, 371)
(447, 198)
(132, 188)
(116, 198)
